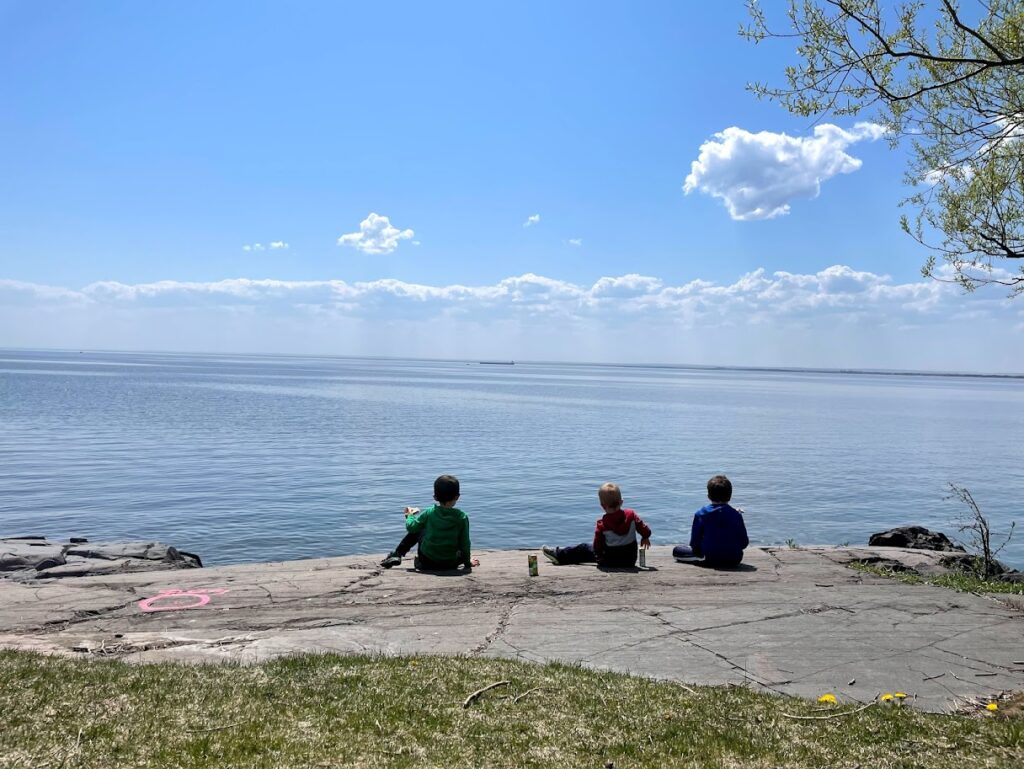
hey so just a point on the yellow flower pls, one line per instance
(900, 696)
(992, 706)
(886, 697)
(829, 698)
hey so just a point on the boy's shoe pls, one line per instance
(550, 554)
(416, 562)
(391, 560)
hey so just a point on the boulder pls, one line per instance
(914, 538)
(969, 563)
(146, 551)
(18, 554)
(1015, 577)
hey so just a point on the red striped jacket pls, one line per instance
(615, 535)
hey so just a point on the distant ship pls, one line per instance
(497, 363)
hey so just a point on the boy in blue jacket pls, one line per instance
(718, 535)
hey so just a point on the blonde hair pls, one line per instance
(610, 495)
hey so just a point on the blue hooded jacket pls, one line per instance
(718, 533)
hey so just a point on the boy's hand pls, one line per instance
(475, 562)
(645, 542)
(411, 511)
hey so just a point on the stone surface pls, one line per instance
(915, 538)
(21, 554)
(795, 621)
(36, 558)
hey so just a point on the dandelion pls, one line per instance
(887, 697)
(829, 699)
(992, 706)
(899, 695)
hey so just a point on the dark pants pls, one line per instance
(614, 557)
(581, 553)
(409, 541)
(685, 552)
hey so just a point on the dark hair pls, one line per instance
(446, 489)
(719, 489)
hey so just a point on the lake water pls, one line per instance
(253, 458)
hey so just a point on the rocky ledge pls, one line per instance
(788, 620)
(37, 558)
(944, 556)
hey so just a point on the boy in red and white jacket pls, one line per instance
(614, 536)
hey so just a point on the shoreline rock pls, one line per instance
(914, 538)
(37, 558)
(920, 538)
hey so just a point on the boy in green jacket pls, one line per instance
(440, 533)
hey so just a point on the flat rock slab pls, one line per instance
(25, 559)
(795, 621)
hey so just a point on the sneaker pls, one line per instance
(391, 560)
(416, 562)
(550, 554)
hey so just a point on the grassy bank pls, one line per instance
(408, 712)
(958, 580)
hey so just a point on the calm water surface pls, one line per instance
(251, 458)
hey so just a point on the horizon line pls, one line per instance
(649, 365)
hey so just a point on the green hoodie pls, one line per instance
(445, 534)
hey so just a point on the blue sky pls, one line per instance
(150, 144)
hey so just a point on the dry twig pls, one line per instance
(528, 691)
(825, 718)
(475, 695)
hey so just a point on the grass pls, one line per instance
(963, 582)
(330, 711)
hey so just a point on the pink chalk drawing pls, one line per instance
(173, 599)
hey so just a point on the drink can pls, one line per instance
(643, 558)
(532, 561)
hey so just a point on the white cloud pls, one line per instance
(837, 316)
(632, 285)
(835, 290)
(376, 236)
(20, 292)
(274, 245)
(576, 242)
(531, 220)
(757, 175)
